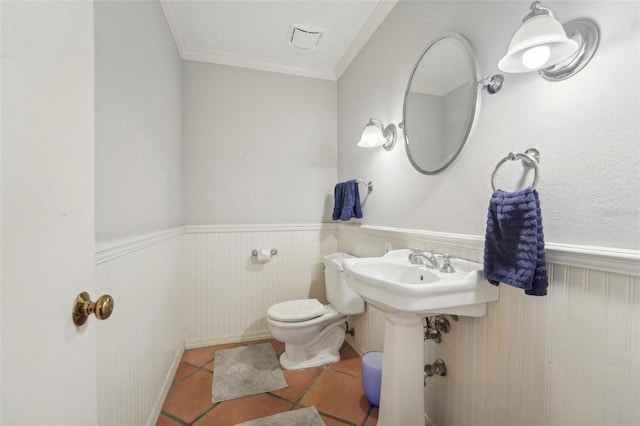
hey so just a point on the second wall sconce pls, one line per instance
(375, 134)
(556, 51)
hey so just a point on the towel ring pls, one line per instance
(530, 158)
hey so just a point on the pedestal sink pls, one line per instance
(406, 293)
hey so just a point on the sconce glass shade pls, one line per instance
(375, 135)
(372, 136)
(540, 42)
(556, 51)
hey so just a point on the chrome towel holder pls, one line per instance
(369, 184)
(530, 159)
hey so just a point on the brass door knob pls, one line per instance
(83, 307)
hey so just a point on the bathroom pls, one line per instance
(151, 177)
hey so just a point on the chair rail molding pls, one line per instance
(607, 259)
(110, 250)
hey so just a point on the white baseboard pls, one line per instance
(355, 345)
(220, 340)
(166, 387)
(428, 421)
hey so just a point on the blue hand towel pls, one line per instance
(347, 201)
(337, 201)
(514, 242)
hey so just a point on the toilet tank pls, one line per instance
(338, 292)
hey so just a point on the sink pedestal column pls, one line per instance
(402, 390)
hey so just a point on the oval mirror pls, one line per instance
(440, 104)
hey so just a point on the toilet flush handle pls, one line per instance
(83, 307)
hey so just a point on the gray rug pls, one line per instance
(246, 370)
(303, 417)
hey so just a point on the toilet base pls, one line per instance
(324, 349)
(316, 361)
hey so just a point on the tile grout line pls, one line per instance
(174, 418)
(196, 369)
(294, 404)
(368, 415)
(338, 419)
(311, 385)
(183, 378)
(205, 412)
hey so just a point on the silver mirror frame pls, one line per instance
(474, 112)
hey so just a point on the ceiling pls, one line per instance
(255, 33)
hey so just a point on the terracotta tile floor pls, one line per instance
(335, 390)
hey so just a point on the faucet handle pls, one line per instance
(446, 264)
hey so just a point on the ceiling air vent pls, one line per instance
(304, 36)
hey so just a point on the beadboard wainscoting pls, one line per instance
(140, 346)
(228, 291)
(571, 357)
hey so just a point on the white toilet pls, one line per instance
(313, 333)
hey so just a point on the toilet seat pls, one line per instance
(296, 310)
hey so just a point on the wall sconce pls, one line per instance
(375, 134)
(556, 51)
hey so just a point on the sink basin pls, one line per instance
(392, 284)
(406, 293)
(396, 272)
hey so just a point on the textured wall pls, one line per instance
(259, 147)
(138, 121)
(586, 130)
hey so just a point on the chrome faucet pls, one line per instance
(419, 257)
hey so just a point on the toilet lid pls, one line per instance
(296, 310)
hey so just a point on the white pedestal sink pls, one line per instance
(406, 293)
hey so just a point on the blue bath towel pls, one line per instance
(514, 243)
(347, 201)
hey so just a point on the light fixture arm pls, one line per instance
(538, 9)
(493, 83)
(377, 123)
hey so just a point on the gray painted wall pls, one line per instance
(138, 121)
(259, 147)
(586, 127)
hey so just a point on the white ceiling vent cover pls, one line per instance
(304, 36)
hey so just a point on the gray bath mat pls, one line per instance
(303, 417)
(246, 370)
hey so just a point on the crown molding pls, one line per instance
(434, 90)
(170, 15)
(224, 58)
(376, 18)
